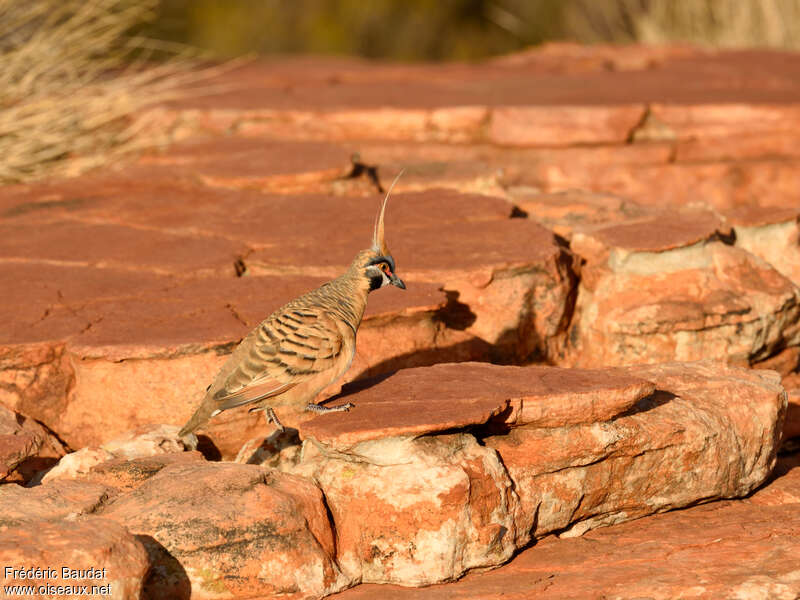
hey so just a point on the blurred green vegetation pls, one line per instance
(467, 29)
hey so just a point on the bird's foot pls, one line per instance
(319, 409)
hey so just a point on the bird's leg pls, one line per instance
(273, 418)
(319, 409)
(270, 416)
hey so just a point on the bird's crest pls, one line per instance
(378, 239)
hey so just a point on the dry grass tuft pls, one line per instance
(719, 23)
(72, 79)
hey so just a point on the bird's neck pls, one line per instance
(348, 293)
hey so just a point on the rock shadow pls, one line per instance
(208, 448)
(353, 387)
(784, 464)
(270, 447)
(496, 426)
(455, 314)
(648, 403)
(361, 169)
(167, 578)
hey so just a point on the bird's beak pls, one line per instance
(397, 282)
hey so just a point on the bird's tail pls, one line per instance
(200, 417)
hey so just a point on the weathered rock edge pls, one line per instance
(416, 509)
(414, 489)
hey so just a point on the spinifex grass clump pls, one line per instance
(72, 78)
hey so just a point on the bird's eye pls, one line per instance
(385, 268)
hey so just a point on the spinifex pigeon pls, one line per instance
(305, 345)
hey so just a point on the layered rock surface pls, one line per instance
(572, 206)
(669, 287)
(178, 227)
(692, 553)
(425, 483)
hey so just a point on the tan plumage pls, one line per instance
(303, 346)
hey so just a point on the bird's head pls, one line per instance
(376, 262)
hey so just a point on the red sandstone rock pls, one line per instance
(96, 552)
(512, 275)
(505, 304)
(14, 449)
(569, 57)
(65, 499)
(572, 451)
(791, 428)
(771, 234)
(241, 163)
(35, 380)
(573, 479)
(125, 474)
(650, 293)
(118, 246)
(710, 121)
(659, 182)
(554, 77)
(129, 327)
(783, 486)
(454, 396)
(25, 446)
(563, 125)
(415, 511)
(654, 233)
(564, 212)
(144, 442)
(739, 145)
(742, 549)
(16, 444)
(237, 530)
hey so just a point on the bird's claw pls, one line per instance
(326, 409)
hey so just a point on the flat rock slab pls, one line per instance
(568, 211)
(120, 246)
(574, 450)
(213, 263)
(425, 400)
(657, 233)
(574, 478)
(241, 163)
(553, 76)
(480, 461)
(416, 225)
(258, 219)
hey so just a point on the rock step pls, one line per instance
(664, 178)
(405, 403)
(508, 303)
(148, 310)
(701, 434)
(439, 471)
(695, 552)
